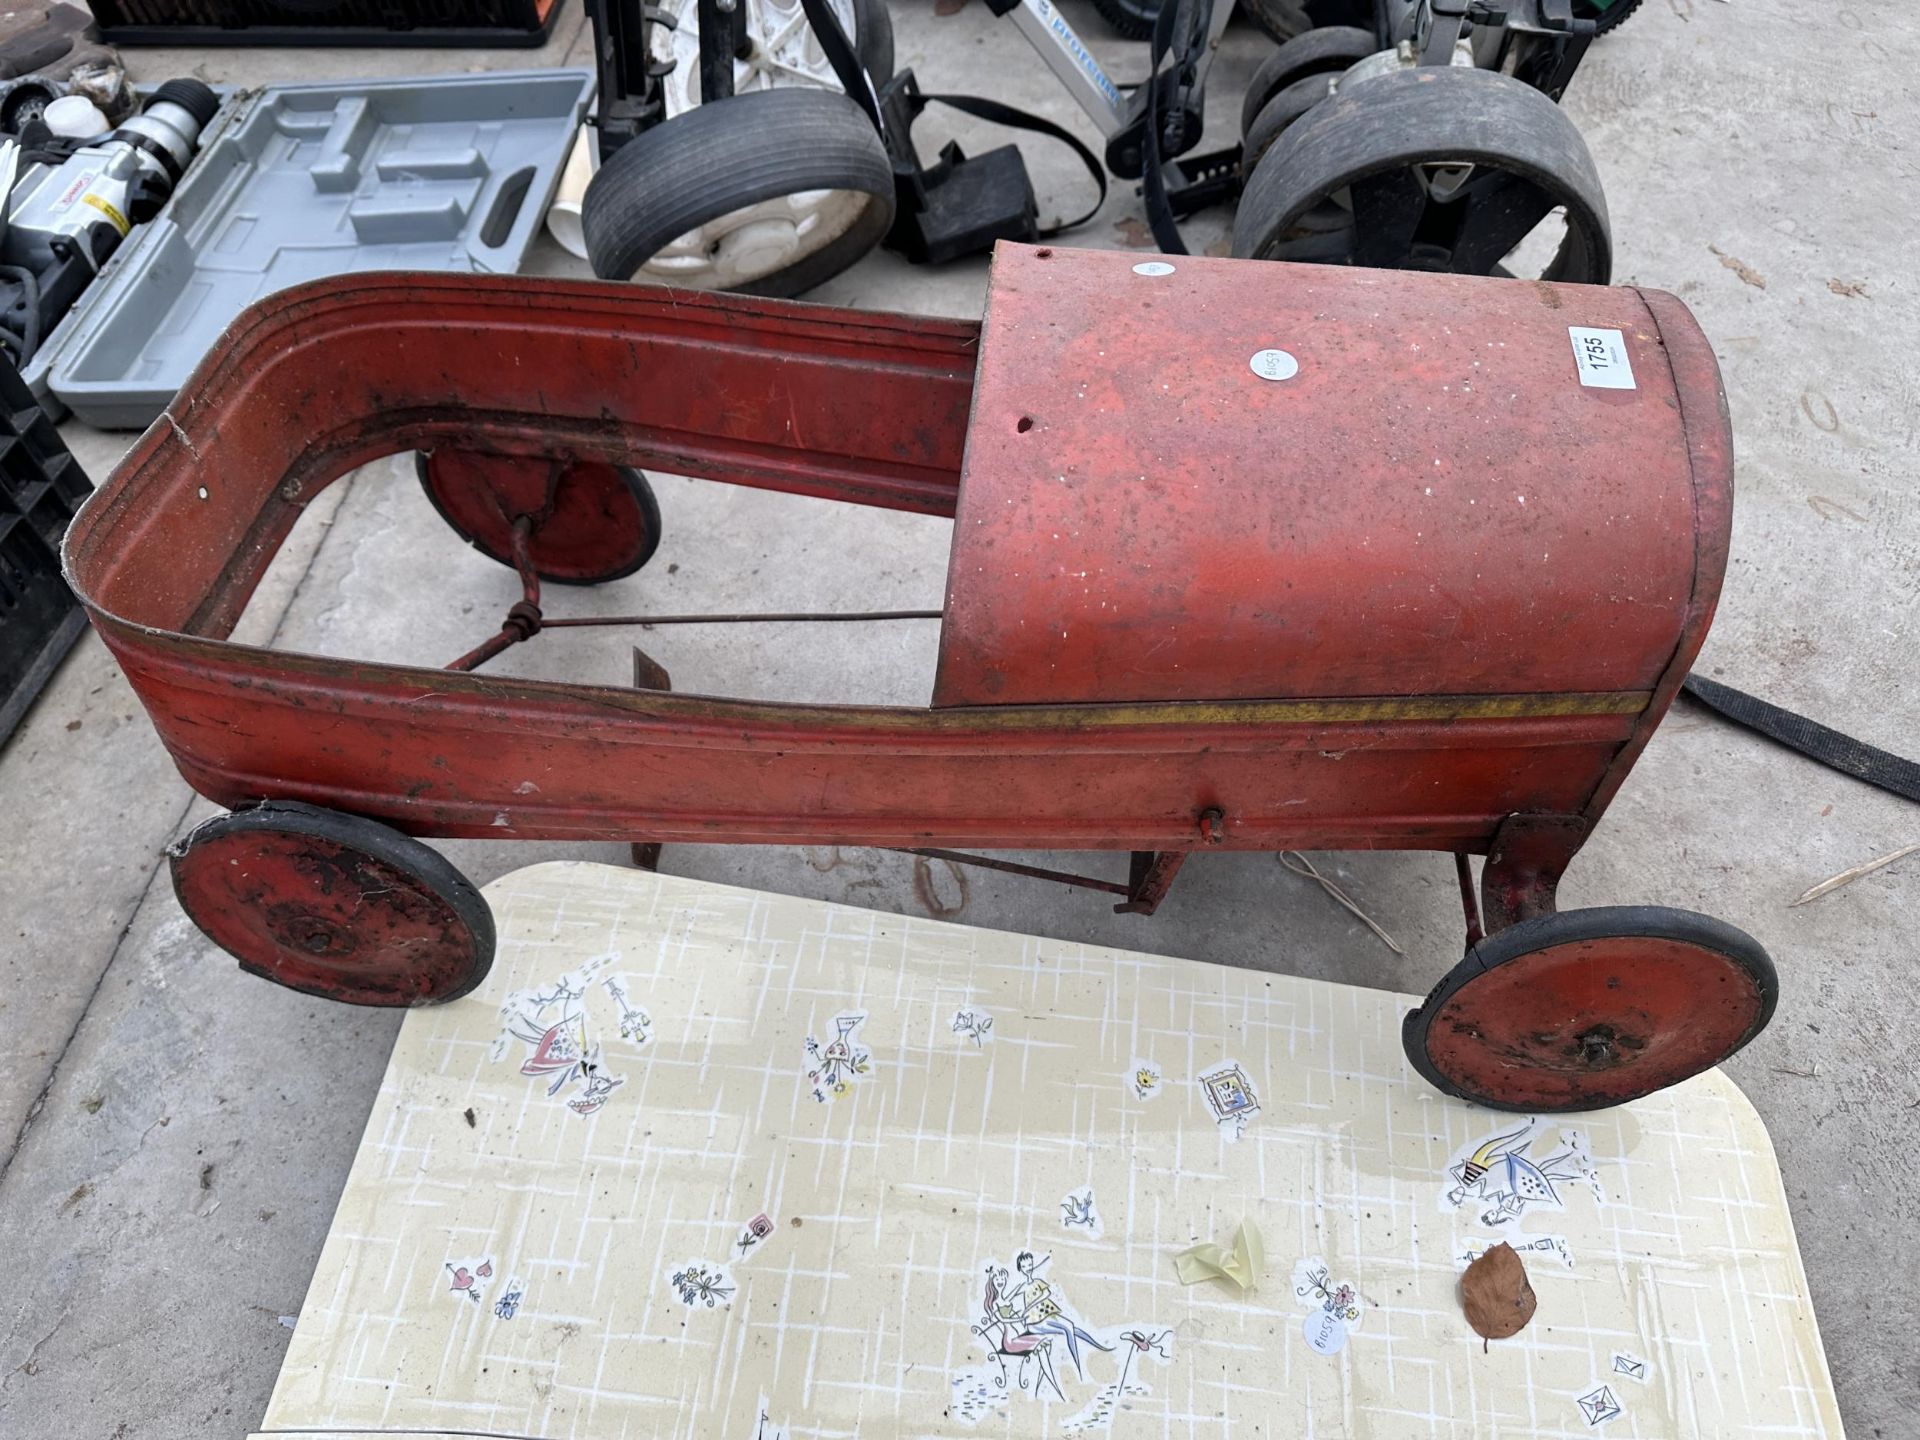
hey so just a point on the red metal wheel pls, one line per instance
(1591, 1008)
(334, 905)
(592, 522)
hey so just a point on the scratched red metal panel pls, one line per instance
(321, 378)
(437, 753)
(1433, 504)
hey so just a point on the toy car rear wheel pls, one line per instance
(334, 905)
(593, 522)
(1433, 168)
(1591, 1008)
(1325, 51)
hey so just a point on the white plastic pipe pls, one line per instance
(563, 216)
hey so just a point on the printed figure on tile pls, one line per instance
(1135, 1345)
(756, 1230)
(974, 1023)
(1146, 1079)
(1038, 1345)
(699, 1283)
(554, 1025)
(508, 1305)
(1598, 1406)
(469, 1278)
(1498, 1174)
(1231, 1098)
(1334, 1307)
(1077, 1212)
(833, 1068)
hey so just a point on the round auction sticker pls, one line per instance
(1274, 365)
(1326, 1334)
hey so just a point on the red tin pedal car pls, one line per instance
(1245, 557)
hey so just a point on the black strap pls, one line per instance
(841, 55)
(999, 114)
(1160, 82)
(856, 82)
(1815, 741)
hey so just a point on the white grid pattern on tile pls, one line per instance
(947, 1155)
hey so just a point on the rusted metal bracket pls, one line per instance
(1151, 878)
(1153, 870)
(648, 674)
(524, 620)
(1469, 902)
(1524, 865)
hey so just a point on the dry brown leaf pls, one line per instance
(1133, 233)
(948, 7)
(1854, 289)
(1740, 267)
(1495, 1294)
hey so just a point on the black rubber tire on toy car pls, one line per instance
(721, 158)
(1325, 51)
(334, 905)
(1585, 1009)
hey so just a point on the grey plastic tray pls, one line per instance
(293, 182)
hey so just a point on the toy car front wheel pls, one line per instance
(1591, 1008)
(334, 905)
(769, 193)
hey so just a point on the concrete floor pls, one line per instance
(173, 1135)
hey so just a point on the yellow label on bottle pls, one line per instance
(120, 222)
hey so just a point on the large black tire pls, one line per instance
(1280, 112)
(1129, 19)
(730, 154)
(1282, 19)
(1383, 127)
(873, 39)
(1612, 18)
(1325, 51)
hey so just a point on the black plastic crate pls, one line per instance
(41, 486)
(426, 23)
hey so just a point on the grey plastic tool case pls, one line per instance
(293, 182)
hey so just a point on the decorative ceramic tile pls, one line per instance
(742, 1166)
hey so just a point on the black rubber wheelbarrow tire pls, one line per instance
(1517, 145)
(720, 159)
(1326, 51)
